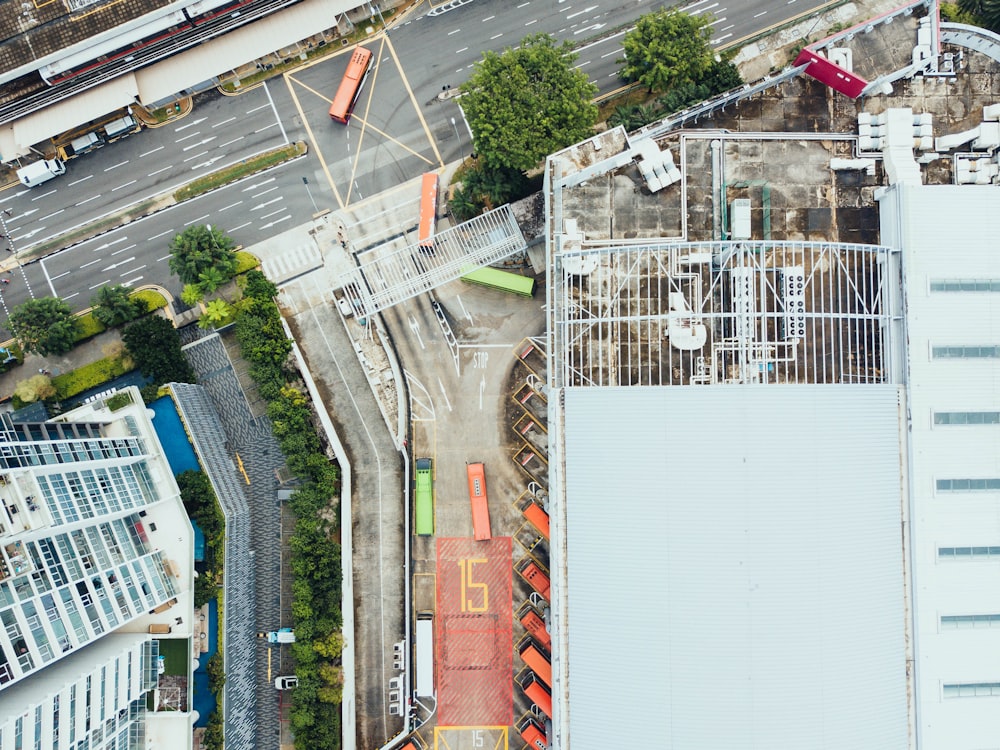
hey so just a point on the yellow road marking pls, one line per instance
(413, 100)
(311, 90)
(398, 142)
(319, 154)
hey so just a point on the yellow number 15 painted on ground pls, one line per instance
(466, 565)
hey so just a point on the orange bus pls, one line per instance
(350, 85)
(532, 734)
(479, 502)
(535, 625)
(537, 661)
(537, 694)
(428, 211)
(535, 577)
(538, 517)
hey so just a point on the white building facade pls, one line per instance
(95, 556)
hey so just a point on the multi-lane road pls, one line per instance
(401, 128)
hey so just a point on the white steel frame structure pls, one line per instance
(686, 313)
(388, 274)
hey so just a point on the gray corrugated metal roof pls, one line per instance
(735, 567)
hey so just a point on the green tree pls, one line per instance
(192, 294)
(666, 49)
(113, 305)
(985, 12)
(45, 326)
(216, 312)
(526, 103)
(200, 248)
(256, 284)
(155, 346)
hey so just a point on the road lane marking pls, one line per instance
(265, 192)
(115, 166)
(230, 231)
(266, 127)
(459, 51)
(720, 20)
(130, 282)
(131, 182)
(147, 153)
(160, 260)
(496, 36)
(127, 247)
(580, 12)
(195, 134)
(231, 205)
(262, 106)
(524, 5)
(223, 145)
(92, 198)
(266, 203)
(196, 156)
(43, 195)
(201, 143)
(190, 124)
(157, 236)
(762, 13)
(454, 32)
(43, 218)
(82, 179)
(64, 273)
(159, 170)
(256, 185)
(103, 283)
(126, 273)
(533, 20)
(189, 223)
(90, 263)
(218, 124)
(277, 116)
(490, 18)
(273, 213)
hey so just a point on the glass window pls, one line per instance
(991, 484)
(971, 689)
(965, 285)
(965, 352)
(967, 417)
(968, 553)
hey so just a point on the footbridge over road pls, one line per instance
(391, 273)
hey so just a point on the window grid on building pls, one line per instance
(971, 689)
(991, 484)
(966, 352)
(964, 622)
(967, 417)
(966, 553)
(965, 285)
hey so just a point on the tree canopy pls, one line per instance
(667, 48)
(203, 255)
(155, 346)
(45, 326)
(113, 305)
(525, 103)
(986, 12)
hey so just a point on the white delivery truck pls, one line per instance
(40, 171)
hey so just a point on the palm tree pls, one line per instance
(113, 305)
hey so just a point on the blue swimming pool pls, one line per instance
(170, 430)
(204, 701)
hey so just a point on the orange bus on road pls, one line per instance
(428, 212)
(350, 85)
(479, 502)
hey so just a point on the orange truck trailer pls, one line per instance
(535, 625)
(538, 517)
(532, 734)
(537, 693)
(537, 661)
(534, 575)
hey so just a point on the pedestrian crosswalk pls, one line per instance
(296, 261)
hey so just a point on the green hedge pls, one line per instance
(153, 299)
(245, 262)
(88, 326)
(70, 384)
